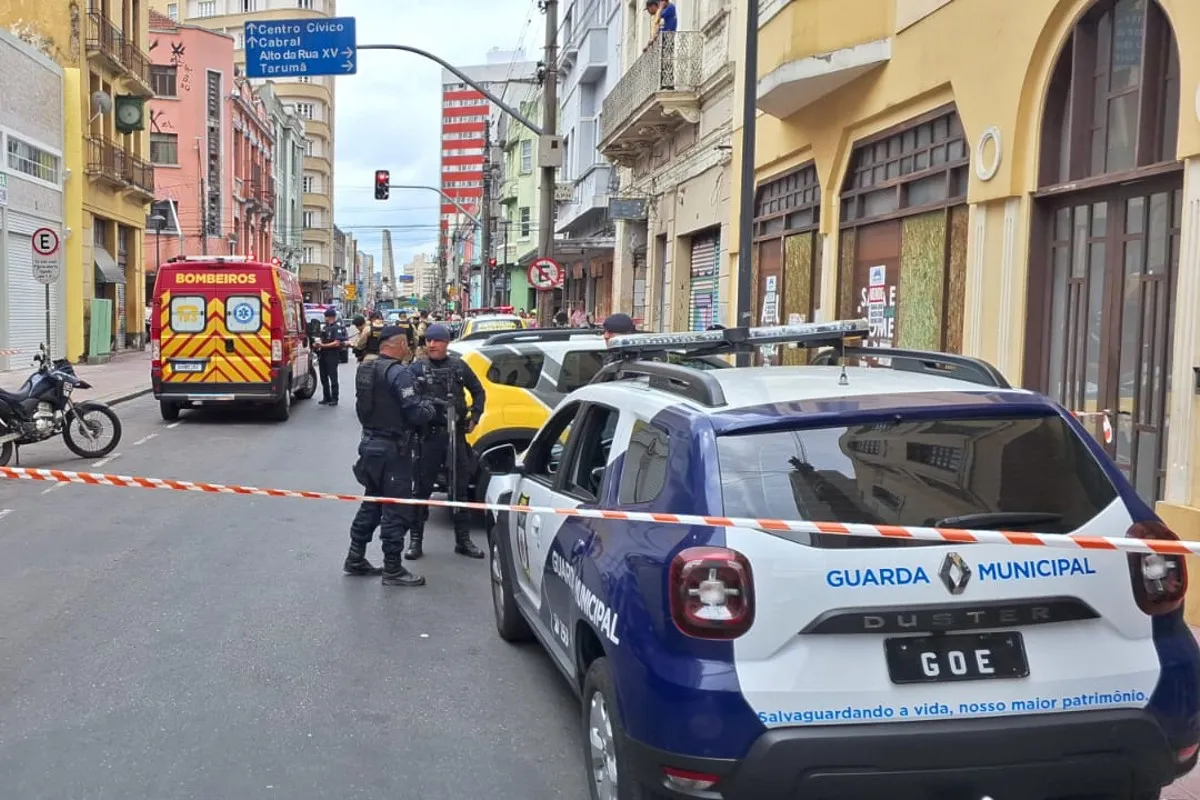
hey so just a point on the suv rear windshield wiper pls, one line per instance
(998, 519)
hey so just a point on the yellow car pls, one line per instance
(482, 327)
(526, 374)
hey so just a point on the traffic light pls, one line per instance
(492, 263)
(382, 179)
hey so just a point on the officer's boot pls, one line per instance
(463, 544)
(416, 538)
(394, 573)
(356, 562)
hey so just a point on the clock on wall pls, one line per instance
(130, 113)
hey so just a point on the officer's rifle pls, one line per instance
(451, 425)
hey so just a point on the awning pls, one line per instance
(107, 270)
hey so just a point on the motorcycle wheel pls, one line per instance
(6, 453)
(84, 447)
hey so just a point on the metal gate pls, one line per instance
(26, 298)
(703, 296)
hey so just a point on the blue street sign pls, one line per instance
(289, 48)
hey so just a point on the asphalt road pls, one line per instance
(158, 644)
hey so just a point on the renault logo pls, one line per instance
(955, 573)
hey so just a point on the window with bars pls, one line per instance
(1122, 110)
(162, 80)
(32, 160)
(790, 202)
(924, 166)
(164, 149)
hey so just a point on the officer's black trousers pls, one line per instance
(328, 364)
(384, 469)
(434, 452)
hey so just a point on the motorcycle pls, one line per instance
(42, 408)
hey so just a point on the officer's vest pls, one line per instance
(372, 345)
(377, 409)
(444, 381)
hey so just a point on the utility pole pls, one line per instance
(549, 131)
(485, 277)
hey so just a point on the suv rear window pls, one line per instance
(521, 370)
(1014, 473)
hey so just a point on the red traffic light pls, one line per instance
(382, 180)
(491, 262)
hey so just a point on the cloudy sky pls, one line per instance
(389, 114)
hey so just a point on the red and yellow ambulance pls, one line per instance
(226, 329)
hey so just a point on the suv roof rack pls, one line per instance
(694, 384)
(946, 365)
(735, 340)
(538, 335)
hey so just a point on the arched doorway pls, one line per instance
(1105, 248)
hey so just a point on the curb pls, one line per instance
(122, 398)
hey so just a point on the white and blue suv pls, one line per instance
(736, 663)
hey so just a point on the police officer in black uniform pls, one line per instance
(446, 376)
(329, 356)
(390, 407)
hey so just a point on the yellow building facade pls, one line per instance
(101, 45)
(1018, 185)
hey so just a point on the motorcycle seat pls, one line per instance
(16, 397)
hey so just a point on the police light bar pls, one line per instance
(813, 334)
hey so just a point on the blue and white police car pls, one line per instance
(728, 663)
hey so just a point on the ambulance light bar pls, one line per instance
(731, 340)
(212, 260)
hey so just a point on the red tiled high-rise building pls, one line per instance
(465, 120)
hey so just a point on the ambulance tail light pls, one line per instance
(1159, 579)
(712, 593)
(155, 350)
(277, 351)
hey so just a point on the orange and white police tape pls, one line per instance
(951, 535)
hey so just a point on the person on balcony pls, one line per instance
(664, 20)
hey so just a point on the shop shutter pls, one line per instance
(27, 298)
(705, 248)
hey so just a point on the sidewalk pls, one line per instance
(123, 378)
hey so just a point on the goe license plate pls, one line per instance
(187, 366)
(956, 657)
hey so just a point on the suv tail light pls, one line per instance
(712, 593)
(277, 350)
(1159, 580)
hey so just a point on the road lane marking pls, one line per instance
(144, 439)
(173, 425)
(104, 461)
(52, 488)
(4, 512)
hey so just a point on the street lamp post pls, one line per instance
(159, 222)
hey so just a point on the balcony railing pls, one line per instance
(105, 37)
(672, 63)
(137, 173)
(137, 63)
(106, 160)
